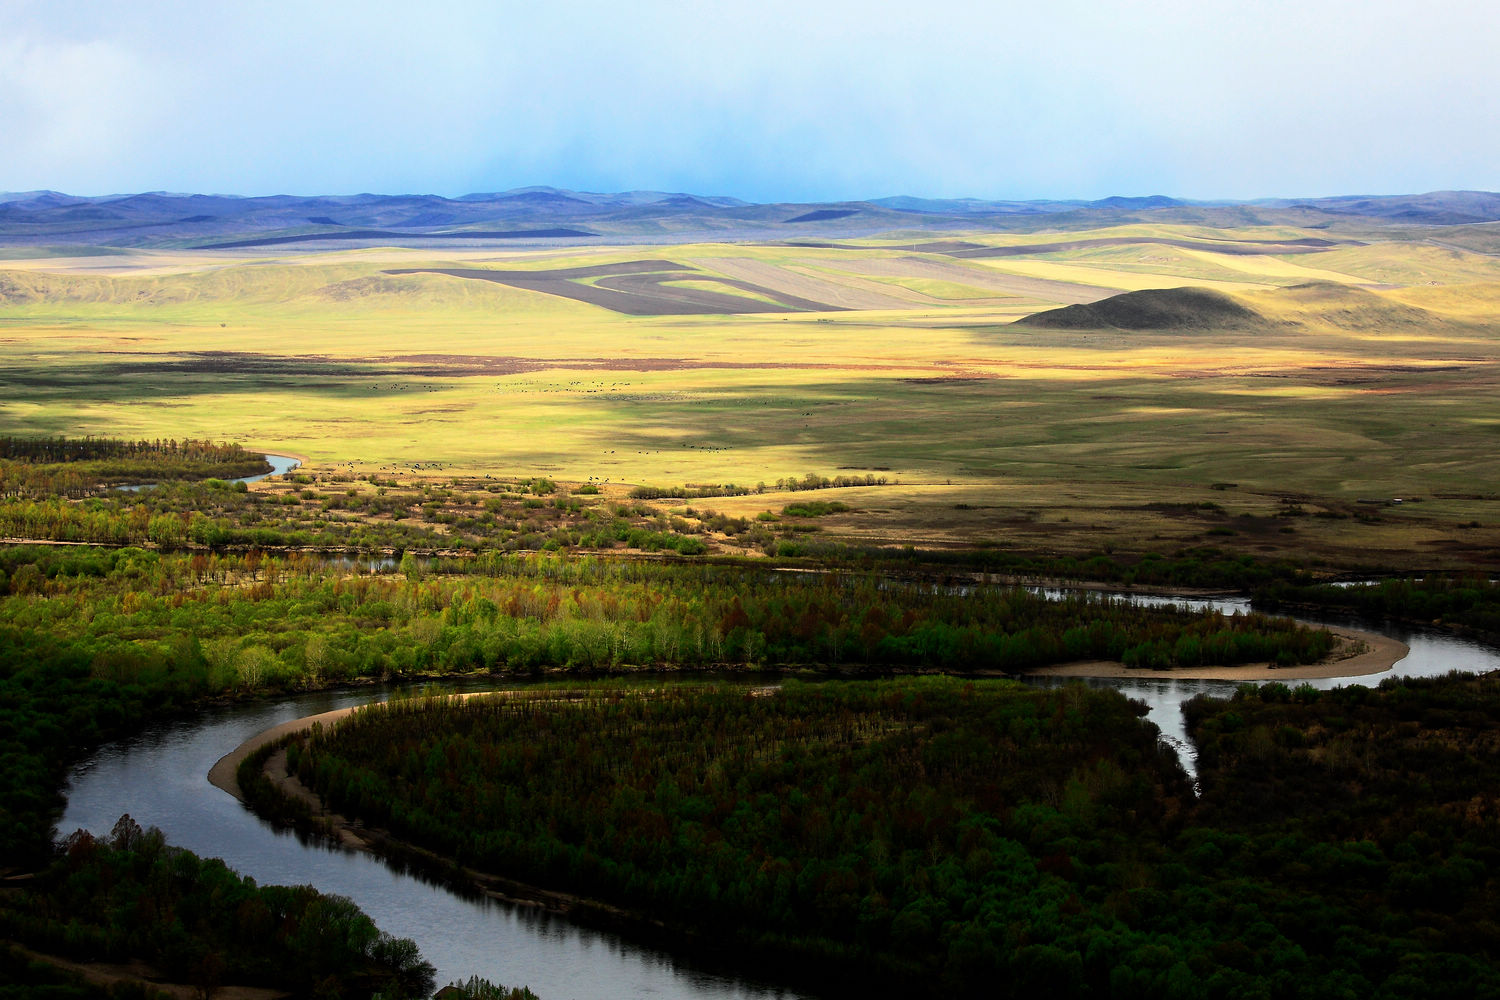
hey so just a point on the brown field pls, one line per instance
(639, 288)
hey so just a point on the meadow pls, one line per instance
(1146, 405)
(1364, 373)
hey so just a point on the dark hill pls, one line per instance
(824, 215)
(1150, 309)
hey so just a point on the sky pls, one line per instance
(765, 101)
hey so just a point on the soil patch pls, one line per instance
(408, 366)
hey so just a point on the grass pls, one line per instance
(1337, 396)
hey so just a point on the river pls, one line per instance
(279, 465)
(160, 778)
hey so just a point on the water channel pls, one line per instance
(159, 777)
(279, 464)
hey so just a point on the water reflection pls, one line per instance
(280, 464)
(1432, 655)
(159, 778)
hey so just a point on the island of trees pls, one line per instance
(947, 837)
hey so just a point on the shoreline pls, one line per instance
(1359, 654)
(222, 774)
(279, 454)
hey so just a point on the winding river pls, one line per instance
(279, 465)
(159, 777)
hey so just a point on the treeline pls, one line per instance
(131, 896)
(216, 514)
(94, 642)
(1199, 567)
(74, 468)
(61, 697)
(940, 837)
(337, 512)
(811, 481)
(1469, 603)
(243, 620)
(47, 451)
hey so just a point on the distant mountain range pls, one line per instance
(544, 215)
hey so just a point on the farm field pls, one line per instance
(1331, 376)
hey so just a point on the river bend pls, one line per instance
(160, 778)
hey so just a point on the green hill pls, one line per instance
(1151, 309)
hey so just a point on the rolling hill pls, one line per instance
(549, 216)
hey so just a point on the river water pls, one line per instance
(279, 465)
(160, 778)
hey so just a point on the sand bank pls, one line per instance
(1357, 654)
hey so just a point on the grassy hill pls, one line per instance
(1153, 309)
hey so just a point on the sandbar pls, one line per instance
(1357, 654)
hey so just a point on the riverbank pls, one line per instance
(355, 835)
(1358, 654)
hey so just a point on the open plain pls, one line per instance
(1307, 382)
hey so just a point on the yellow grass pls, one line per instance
(1338, 394)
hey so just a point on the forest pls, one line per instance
(95, 641)
(131, 896)
(1467, 603)
(197, 591)
(951, 837)
(80, 467)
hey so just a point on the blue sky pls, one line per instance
(767, 101)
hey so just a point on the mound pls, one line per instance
(1327, 304)
(1150, 309)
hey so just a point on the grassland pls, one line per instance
(1369, 372)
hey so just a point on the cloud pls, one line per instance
(779, 100)
(70, 111)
